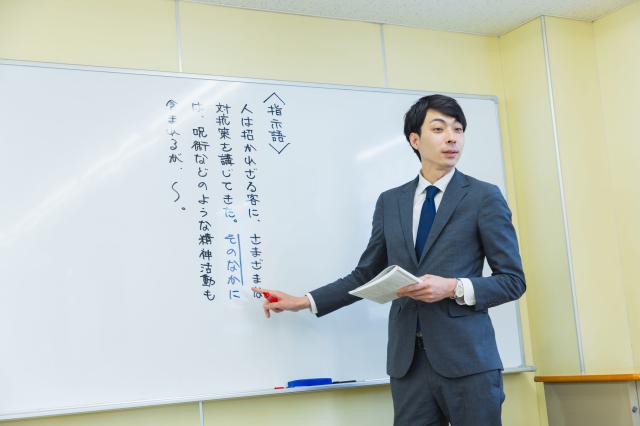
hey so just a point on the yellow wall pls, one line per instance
(604, 324)
(593, 70)
(114, 33)
(238, 42)
(538, 196)
(617, 47)
(594, 73)
(224, 41)
(169, 415)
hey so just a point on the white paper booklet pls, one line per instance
(385, 285)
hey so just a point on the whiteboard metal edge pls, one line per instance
(216, 397)
(287, 83)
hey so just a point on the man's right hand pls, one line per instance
(286, 302)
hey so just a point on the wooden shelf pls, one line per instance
(627, 377)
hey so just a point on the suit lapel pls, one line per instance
(405, 207)
(455, 192)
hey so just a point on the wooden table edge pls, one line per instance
(589, 378)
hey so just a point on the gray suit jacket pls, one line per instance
(473, 221)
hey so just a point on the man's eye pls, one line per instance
(437, 129)
(458, 130)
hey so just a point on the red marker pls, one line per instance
(269, 297)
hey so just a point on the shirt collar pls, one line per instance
(441, 183)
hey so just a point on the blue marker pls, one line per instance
(310, 382)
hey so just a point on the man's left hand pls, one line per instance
(430, 288)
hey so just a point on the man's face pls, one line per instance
(441, 141)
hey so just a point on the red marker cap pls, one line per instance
(269, 297)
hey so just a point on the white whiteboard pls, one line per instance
(101, 296)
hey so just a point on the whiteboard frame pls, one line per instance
(214, 397)
(523, 368)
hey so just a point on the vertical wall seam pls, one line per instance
(565, 220)
(513, 202)
(178, 37)
(384, 56)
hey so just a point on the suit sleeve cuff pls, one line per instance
(313, 307)
(469, 293)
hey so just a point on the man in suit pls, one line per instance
(442, 355)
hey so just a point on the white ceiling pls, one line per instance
(468, 16)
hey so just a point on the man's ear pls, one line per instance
(413, 140)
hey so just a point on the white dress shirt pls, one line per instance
(418, 200)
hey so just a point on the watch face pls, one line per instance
(459, 290)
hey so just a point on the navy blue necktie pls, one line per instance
(427, 214)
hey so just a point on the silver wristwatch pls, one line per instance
(459, 291)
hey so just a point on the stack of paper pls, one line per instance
(385, 285)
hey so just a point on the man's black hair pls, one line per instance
(414, 118)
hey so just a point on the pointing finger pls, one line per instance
(267, 313)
